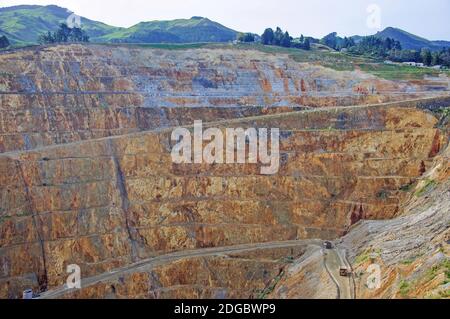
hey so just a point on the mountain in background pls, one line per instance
(409, 41)
(23, 25)
(196, 29)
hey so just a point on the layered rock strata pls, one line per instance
(62, 94)
(106, 203)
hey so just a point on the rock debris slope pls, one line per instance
(79, 184)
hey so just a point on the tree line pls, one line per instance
(370, 46)
(277, 38)
(425, 56)
(4, 42)
(387, 48)
(283, 39)
(64, 34)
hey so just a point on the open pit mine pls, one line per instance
(87, 178)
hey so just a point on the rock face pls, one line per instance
(106, 203)
(230, 275)
(63, 94)
(410, 253)
(111, 196)
(413, 250)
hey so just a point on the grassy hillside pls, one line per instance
(24, 24)
(410, 41)
(196, 29)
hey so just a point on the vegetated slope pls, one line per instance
(11, 37)
(196, 29)
(410, 41)
(23, 24)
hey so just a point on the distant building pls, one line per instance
(437, 67)
(389, 62)
(420, 65)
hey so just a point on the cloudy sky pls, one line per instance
(430, 18)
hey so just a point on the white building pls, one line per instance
(420, 65)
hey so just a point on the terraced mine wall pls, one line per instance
(62, 94)
(106, 203)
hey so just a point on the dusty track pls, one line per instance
(332, 259)
(165, 259)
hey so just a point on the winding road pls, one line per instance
(332, 258)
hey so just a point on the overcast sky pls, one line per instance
(427, 18)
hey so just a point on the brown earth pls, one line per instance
(62, 94)
(104, 202)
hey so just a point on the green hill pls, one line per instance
(410, 41)
(23, 25)
(196, 29)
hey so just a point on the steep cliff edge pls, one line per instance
(68, 93)
(406, 257)
(413, 250)
(87, 178)
(106, 203)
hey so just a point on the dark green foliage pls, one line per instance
(404, 56)
(444, 57)
(25, 24)
(387, 48)
(337, 43)
(4, 42)
(375, 47)
(346, 43)
(284, 39)
(246, 37)
(330, 40)
(302, 43)
(435, 58)
(268, 37)
(194, 30)
(306, 44)
(426, 57)
(63, 35)
(278, 37)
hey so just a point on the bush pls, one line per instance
(283, 39)
(63, 35)
(4, 42)
(246, 37)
